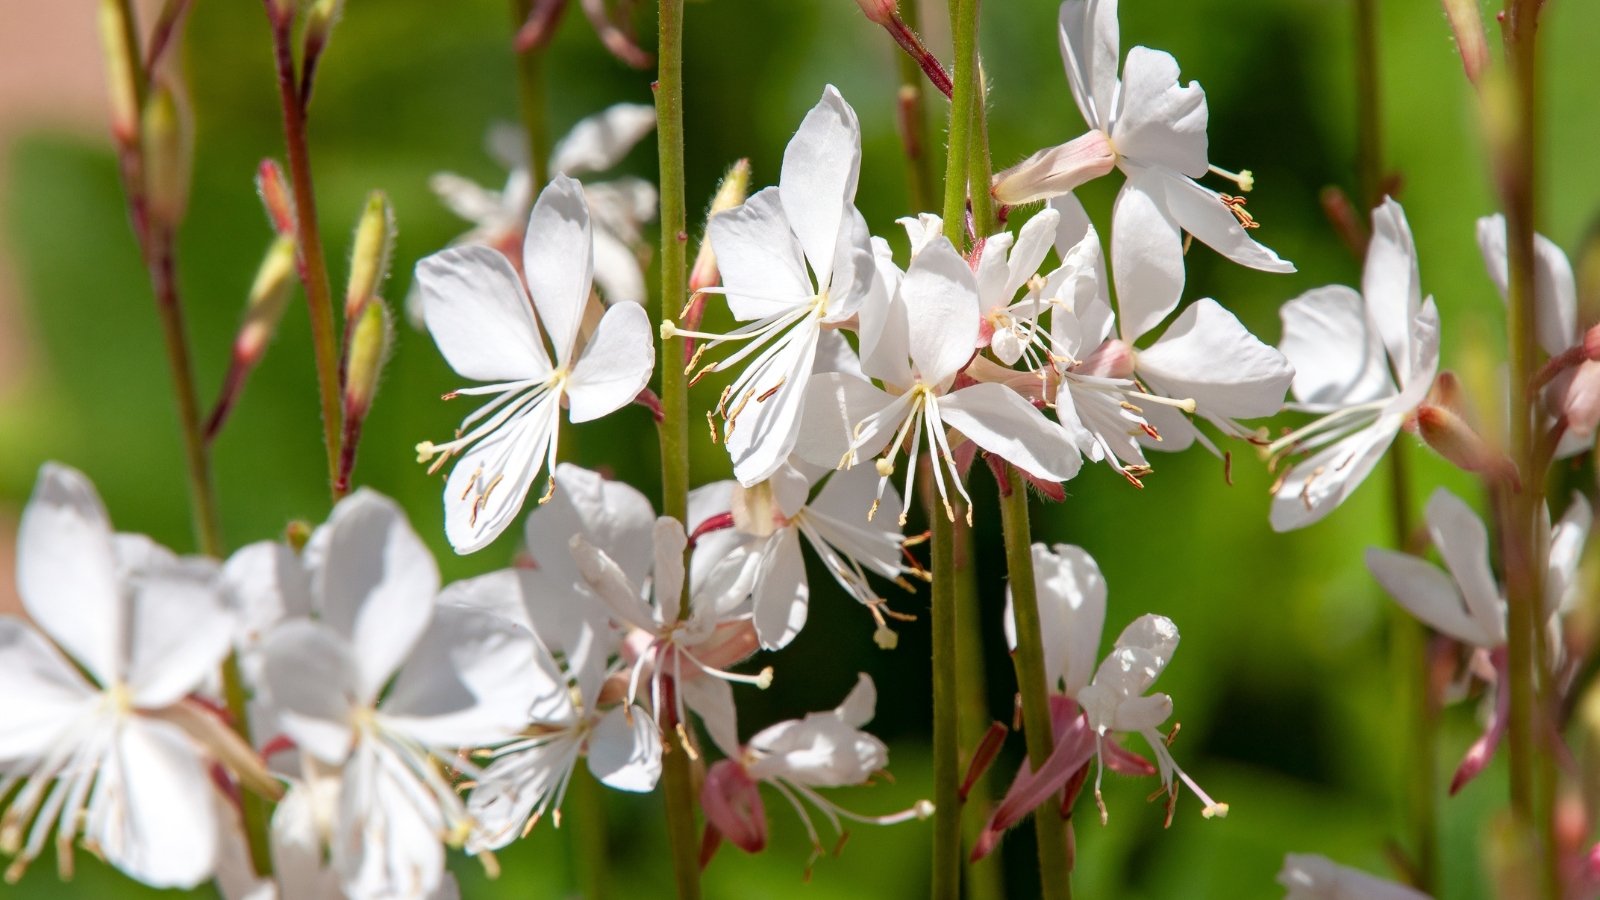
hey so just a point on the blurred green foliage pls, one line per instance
(1283, 686)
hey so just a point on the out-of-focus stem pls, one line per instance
(984, 878)
(587, 802)
(914, 120)
(531, 101)
(1517, 176)
(946, 728)
(674, 424)
(1032, 682)
(313, 265)
(1369, 111)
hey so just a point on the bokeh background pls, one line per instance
(1288, 704)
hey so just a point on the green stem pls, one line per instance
(1369, 114)
(587, 802)
(674, 426)
(985, 879)
(978, 167)
(1032, 682)
(946, 728)
(308, 241)
(1416, 709)
(531, 103)
(963, 95)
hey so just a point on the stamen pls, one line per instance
(1235, 205)
(1244, 178)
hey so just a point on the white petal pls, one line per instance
(1032, 246)
(67, 571)
(818, 179)
(611, 586)
(376, 585)
(834, 405)
(1390, 283)
(1201, 212)
(478, 314)
(763, 268)
(617, 271)
(466, 198)
(781, 593)
(1160, 122)
(1427, 593)
(1554, 289)
(858, 706)
(764, 431)
(993, 271)
(1207, 355)
(1090, 49)
(712, 700)
(466, 681)
(1072, 612)
(558, 261)
(612, 515)
(615, 365)
(1463, 542)
(297, 853)
(669, 542)
(941, 301)
(178, 633)
(997, 419)
(625, 750)
(884, 332)
(1337, 355)
(314, 682)
(1311, 877)
(265, 583)
(1317, 485)
(1146, 254)
(515, 454)
(43, 694)
(601, 141)
(1567, 541)
(151, 813)
(386, 835)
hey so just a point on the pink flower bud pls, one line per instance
(1056, 170)
(1466, 23)
(880, 11)
(275, 197)
(732, 805)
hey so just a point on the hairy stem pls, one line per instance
(964, 27)
(308, 242)
(946, 727)
(1032, 682)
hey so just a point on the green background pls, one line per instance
(1288, 704)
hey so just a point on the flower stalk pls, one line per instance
(531, 99)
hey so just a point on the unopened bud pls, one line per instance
(1466, 23)
(321, 16)
(1056, 170)
(269, 296)
(297, 534)
(732, 805)
(369, 253)
(120, 45)
(368, 349)
(167, 133)
(1446, 430)
(880, 11)
(275, 197)
(731, 192)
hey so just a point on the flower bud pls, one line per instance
(122, 70)
(167, 133)
(367, 350)
(269, 296)
(1466, 23)
(275, 197)
(881, 12)
(731, 192)
(369, 253)
(732, 805)
(321, 16)
(1442, 423)
(1056, 170)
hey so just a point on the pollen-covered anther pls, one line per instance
(1235, 205)
(885, 466)
(764, 679)
(1244, 178)
(668, 330)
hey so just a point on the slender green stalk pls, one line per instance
(308, 241)
(963, 96)
(674, 425)
(587, 802)
(978, 166)
(531, 102)
(1369, 111)
(1517, 176)
(946, 727)
(1032, 683)
(985, 879)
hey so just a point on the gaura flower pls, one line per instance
(479, 314)
(1307, 876)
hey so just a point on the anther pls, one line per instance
(1235, 205)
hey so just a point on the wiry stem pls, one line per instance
(531, 101)
(985, 879)
(963, 26)
(308, 241)
(1032, 683)
(946, 726)
(674, 424)
(914, 120)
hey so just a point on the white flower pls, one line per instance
(111, 755)
(794, 259)
(479, 314)
(1366, 361)
(916, 343)
(459, 679)
(1307, 876)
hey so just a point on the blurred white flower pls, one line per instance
(1307, 876)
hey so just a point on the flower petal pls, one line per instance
(314, 682)
(600, 141)
(1567, 541)
(1158, 121)
(617, 271)
(466, 681)
(1072, 613)
(1184, 364)
(818, 179)
(1337, 354)
(478, 314)
(489, 483)
(1390, 283)
(1090, 49)
(997, 419)
(1427, 593)
(1146, 254)
(858, 706)
(612, 515)
(1554, 288)
(941, 300)
(263, 584)
(151, 813)
(781, 592)
(1463, 543)
(558, 262)
(178, 633)
(835, 403)
(761, 435)
(1317, 485)
(615, 365)
(1201, 212)
(763, 267)
(43, 695)
(625, 750)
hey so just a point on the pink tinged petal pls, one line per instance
(614, 366)
(315, 684)
(763, 267)
(1074, 748)
(781, 593)
(376, 584)
(617, 271)
(1184, 363)
(1072, 612)
(1481, 752)
(152, 813)
(1337, 355)
(1090, 49)
(941, 305)
(67, 571)
(625, 750)
(1579, 401)
(178, 633)
(761, 436)
(1160, 122)
(465, 682)
(42, 694)
(1056, 170)
(558, 262)
(1554, 290)
(1201, 212)
(712, 700)
(1317, 485)
(1463, 542)
(1390, 283)
(818, 180)
(490, 482)
(732, 805)
(600, 141)
(997, 419)
(1123, 761)
(1427, 593)
(858, 706)
(1146, 254)
(478, 314)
